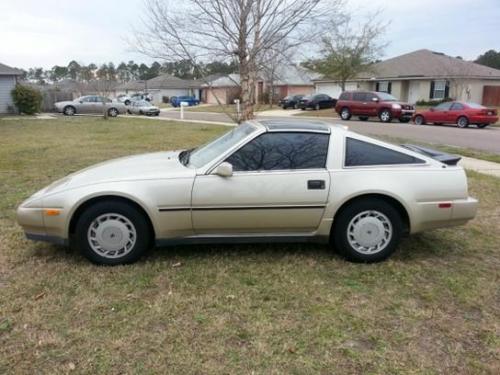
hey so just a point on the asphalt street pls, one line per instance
(487, 139)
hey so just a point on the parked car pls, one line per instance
(125, 99)
(461, 113)
(190, 100)
(141, 96)
(315, 182)
(291, 101)
(317, 102)
(365, 104)
(90, 104)
(143, 107)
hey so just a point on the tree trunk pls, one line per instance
(104, 111)
(342, 85)
(246, 91)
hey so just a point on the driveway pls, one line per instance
(487, 139)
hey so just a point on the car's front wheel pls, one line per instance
(419, 120)
(112, 232)
(368, 230)
(385, 115)
(69, 110)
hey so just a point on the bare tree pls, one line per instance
(272, 64)
(199, 30)
(348, 49)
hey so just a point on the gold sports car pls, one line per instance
(262, 181)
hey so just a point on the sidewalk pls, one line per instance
(481, 166)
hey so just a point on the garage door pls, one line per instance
(7, 83)
(491, 96)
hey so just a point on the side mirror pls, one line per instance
(224, 169)
(374, 99)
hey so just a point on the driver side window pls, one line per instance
(282, 151)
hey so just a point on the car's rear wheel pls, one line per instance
(363, 118)
(462, 122)
(345, 113)
(112, 112)
(385, 115)
(368, 230)
(69, 110)
(112, 232)
(419, 120)
(481, 126)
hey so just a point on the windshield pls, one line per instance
(201, 156)
(386, 97)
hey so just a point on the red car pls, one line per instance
(365, 104)
(460, 113)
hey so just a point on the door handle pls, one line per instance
(316, 184)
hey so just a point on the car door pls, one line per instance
(454, 113)
(371, 104)
(358, 100)
(279, 185)
(85, 105)
(440, 113)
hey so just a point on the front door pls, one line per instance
(280, 185)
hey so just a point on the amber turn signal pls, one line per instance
(52, 211)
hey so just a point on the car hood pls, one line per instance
(158, 165)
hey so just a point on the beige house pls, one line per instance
(424, 75)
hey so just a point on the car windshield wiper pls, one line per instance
(185, 155)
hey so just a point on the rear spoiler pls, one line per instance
(443, 157)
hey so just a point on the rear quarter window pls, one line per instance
(360, 153)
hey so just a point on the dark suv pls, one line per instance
(366, 104)
(317, 101)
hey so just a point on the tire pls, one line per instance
(363, 118)
(345, 113)
(419, 120)
(482, 126)
(385, 115)
(462, 122)
(368, 217)
(127, 102)
(121, 219)
(69, 110)
(112, 112)
(317, 107)
(404, 120)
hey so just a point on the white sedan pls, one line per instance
(262, 181)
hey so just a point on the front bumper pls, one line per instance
(406, 114)
(38, 227)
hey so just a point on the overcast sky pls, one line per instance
(49, 32)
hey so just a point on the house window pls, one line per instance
(438, 90)
(383, 86)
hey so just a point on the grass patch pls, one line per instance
(299, 309)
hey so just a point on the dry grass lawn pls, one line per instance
(434, 308)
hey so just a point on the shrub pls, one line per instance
(27, 99)
(431, 103)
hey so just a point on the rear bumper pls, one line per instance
(429, 215)
(483, 119)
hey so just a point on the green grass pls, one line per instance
(282, 309)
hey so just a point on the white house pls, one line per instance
(424, 75)
(8, 80)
